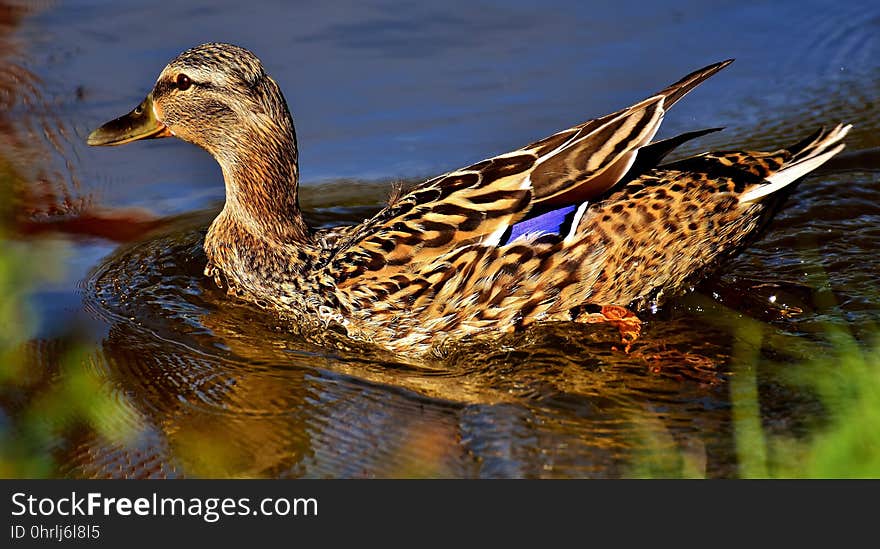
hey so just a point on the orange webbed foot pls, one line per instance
(626, 321)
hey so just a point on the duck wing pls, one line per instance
(583, 162)
(481, 203)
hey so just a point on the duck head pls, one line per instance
(219, 97)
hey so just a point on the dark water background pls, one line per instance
(382, 91)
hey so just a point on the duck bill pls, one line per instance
(141, 123)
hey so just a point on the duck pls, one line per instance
(588, 225)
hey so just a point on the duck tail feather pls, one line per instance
(808, 155)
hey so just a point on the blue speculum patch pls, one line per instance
(554, 222)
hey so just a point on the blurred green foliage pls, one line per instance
(47, 388)
(840, 373)
(845, 442)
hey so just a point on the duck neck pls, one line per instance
(261, 175)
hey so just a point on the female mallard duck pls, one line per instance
(584, 225)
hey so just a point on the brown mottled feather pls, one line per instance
(449, 211)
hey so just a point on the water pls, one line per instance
(385, 91)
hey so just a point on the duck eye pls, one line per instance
(183, 82)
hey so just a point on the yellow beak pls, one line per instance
(141, 123)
